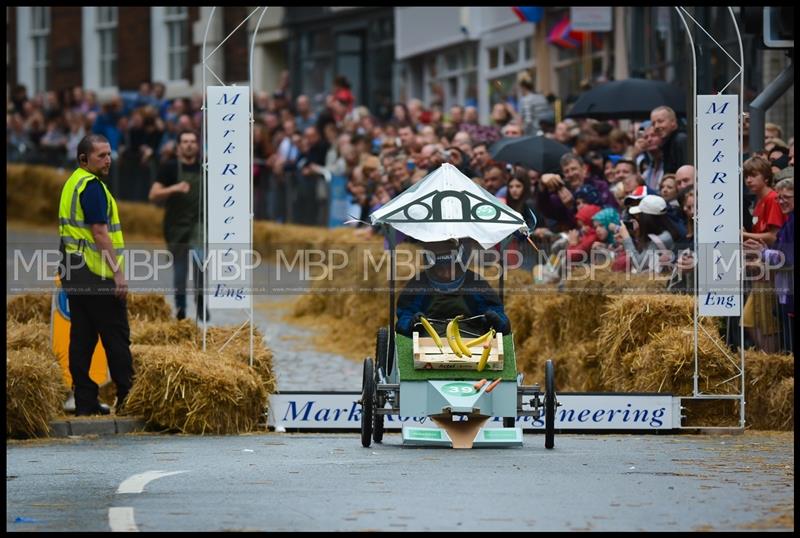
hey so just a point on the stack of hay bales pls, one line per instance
(629, 323)
(769, 390)
(35, 392)
(177, 386)
(547, 317)
(602, 338)
(186, 390)
(35, 389)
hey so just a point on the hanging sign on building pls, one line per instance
(591, 19)
(230, 256)
(718, 206)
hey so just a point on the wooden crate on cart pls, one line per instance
(428, 356)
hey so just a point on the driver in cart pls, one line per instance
(445, 289)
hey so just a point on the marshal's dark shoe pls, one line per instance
(101, 409)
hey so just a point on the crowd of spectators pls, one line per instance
(623, 194)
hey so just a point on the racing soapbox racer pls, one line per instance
(463, 378)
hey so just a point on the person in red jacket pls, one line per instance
(580, 241)
(341, 91)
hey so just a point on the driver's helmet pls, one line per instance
(444, 265)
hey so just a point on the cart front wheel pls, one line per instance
(549, 405)
(367, 401)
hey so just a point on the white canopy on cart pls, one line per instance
(446, 204)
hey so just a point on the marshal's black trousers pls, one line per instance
(105, 315)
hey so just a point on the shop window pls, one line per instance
(40, 33)
(106, 26)
(494, 58)
(177, 21)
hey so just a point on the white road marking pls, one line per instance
(137, 482)
(120, 519)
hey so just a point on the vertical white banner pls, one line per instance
(230, 182)
(718, 206)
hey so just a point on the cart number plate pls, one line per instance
(459, 389)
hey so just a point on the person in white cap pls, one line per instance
(654, 232)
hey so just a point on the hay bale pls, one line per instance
(35, 392)
(148, 307)
(780, 408)
(33, 334)
(769, 390)
(30, 307)
(164, 332)
(630, 321)
(183, 389)
(238, 349)
(666, 365)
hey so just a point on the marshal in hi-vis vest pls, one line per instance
(76, 235)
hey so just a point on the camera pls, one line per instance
(628, 224)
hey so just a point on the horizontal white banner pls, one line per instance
(340, 410)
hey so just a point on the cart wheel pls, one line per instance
(367, 401)
(381, 356)
(382, 350)
(549, 405)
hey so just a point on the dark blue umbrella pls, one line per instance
(537, 152)
(633, 98)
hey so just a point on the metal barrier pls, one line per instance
(769, 312)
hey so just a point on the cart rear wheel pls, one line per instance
(549, 405)
(367, 401)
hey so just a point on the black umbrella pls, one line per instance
(633, 98)
(537, 152)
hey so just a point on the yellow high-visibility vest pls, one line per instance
(77, 236)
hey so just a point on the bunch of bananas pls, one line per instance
(454, 338)
(459, 347)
